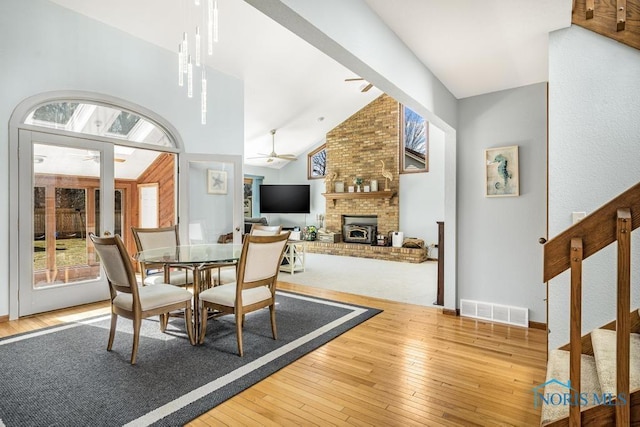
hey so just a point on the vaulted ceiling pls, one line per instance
(472, 47)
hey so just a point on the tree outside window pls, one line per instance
(317, 163)
(414, 149)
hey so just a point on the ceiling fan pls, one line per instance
(365, 88)
(273, 155)
(96, 158)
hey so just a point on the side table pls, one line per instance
(293, 260)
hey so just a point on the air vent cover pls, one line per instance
(511, 315)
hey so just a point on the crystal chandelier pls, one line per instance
(187, 59)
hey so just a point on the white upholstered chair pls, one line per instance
(265, 230)
(255, 286)
(163, 237)
(137, 302)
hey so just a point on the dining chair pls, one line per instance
(255, 287)
(163, 237)
(228, 274)
(265, 230)
(137, 302)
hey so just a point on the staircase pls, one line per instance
(595, 379)
(616, 19)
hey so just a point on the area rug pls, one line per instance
(63, 375)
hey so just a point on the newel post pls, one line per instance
(623, 234)
(575, 331)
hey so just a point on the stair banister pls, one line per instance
(575, 332)
(597, 231)
(612, 222)
(623, 337)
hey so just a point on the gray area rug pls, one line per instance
(63, 376)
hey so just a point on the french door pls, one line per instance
(210, 200)
(66, 192)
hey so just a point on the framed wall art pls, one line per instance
(216, 181)
(502, 178)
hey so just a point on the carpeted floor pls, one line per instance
(64, 376)
(391, 280)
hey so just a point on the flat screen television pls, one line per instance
(285, 199)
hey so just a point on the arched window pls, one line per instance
(99, 120)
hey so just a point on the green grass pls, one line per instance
(69, 252)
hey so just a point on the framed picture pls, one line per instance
(501, 172)
(216, 182)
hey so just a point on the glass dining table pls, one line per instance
(200, 259)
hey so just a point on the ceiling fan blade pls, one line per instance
(286, 157)
(367, 87)
(355, 79)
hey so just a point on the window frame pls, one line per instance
(402, 145)
(310, 157)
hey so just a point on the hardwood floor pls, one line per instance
(410, 366)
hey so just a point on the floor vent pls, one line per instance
(518, 316)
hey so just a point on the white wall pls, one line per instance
(296, 173)
(44, 47)
(594, 154)
(422, 194)
(499, 257)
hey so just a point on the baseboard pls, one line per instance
(538, 325)
(4, 318)
(451, 312)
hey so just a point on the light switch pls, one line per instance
(577, 216)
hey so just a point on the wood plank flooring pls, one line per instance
(408, 366)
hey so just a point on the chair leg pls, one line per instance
(239, 322)
(272, 312)
(136, 339)
(112, 331)
(188, 323)
(242, 320)
(203, 323)
(164, 321)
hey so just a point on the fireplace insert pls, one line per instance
(359, 233)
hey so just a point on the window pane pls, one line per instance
(317, 163)
(123, 124)
(58, 113)
(93, 119)
(414, 156)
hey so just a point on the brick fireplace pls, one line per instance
(355, 149)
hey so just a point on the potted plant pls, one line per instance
(358, 182)
(310, 232)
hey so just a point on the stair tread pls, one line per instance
(558, 369)
(604, 350)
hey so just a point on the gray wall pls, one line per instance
(44, 47)
(499, 258)
(594, 154)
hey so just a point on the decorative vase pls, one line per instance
(358, 189)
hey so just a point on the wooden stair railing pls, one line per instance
(612, 222)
